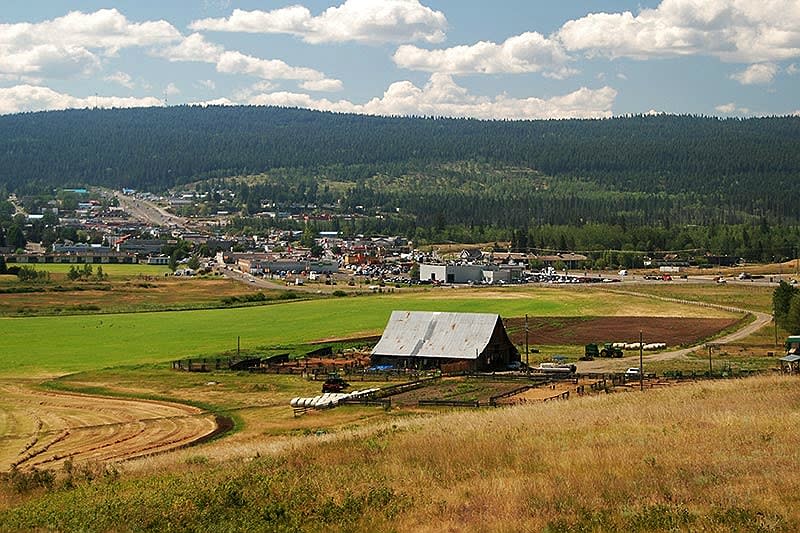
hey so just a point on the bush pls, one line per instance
(30, 274)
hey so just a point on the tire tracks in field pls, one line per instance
(760, 320)
(80, 427)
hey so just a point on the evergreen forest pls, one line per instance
(645, 183)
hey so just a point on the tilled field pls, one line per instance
(43, 429)
(674, 331)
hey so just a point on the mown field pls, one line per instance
(713, 457)
(127, 288)
(53, 345)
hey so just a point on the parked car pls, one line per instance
(632, 372)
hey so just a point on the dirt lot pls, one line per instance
(43, 429)
(674, 331)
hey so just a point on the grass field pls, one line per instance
(714, 456)
(745, 296)
(129, 295)
(54, 345)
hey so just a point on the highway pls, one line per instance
(148, 212)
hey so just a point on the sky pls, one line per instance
(501, 59)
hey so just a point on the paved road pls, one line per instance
(149, 212)
(614, 365)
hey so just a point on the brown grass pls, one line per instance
(712, 456)
(709, 456)
(123, 296)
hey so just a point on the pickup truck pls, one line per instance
(632, 372)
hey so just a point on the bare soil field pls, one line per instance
(674, 331)
(44, 429)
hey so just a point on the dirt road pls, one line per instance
(614, 365)
(42, 429)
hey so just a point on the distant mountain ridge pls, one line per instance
(156, 148)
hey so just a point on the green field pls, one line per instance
(55, 345)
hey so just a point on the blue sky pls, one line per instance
(508, 59)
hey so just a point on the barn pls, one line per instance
(422, 339)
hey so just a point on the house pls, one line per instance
(422, 339)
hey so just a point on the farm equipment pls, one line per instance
(334, 383)
(592, 350)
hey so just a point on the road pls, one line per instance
(148, 212)
(615, 365)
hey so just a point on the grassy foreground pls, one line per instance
(701, 457)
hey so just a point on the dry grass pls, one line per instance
(714, 456)
(122, 296)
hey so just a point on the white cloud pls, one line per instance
(732, 109)
(441, 96)
(48, 60)
(749, 31)
(269, 69)
(121, 78)
(192, 48)
(757, 74)
(196, 48)
(325, 85)
(172, 90)
(528, 52)
(792, 69)
(73, 45)
(36, 98)
(207, 84)
(385, 21)
(217, 101)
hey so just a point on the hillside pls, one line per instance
(644, 183)
(712, 456)
(159, 147)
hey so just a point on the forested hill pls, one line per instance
(157, 148)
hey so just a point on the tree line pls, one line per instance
(644, 183)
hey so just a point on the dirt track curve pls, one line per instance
(42, 429)
(612, 365)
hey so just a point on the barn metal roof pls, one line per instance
(432, 334)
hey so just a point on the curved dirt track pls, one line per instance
(42, 429)
(614, 365)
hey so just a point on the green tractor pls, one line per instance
(592, 350)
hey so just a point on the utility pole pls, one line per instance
(641, 362)
(710, 368)
(238, 345)
(526, 340)
(776, 330)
